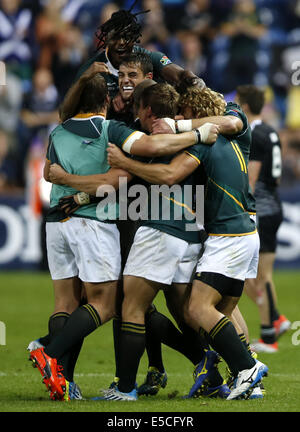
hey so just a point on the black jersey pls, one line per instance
(266, 148)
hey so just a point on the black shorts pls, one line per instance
(225, 285)
(267, 230)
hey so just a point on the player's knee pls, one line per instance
(132, 311)
(194, 313)
(65, 305)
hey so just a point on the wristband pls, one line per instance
(198, 136)
(83, 198)
(184, 125)
(205, 130)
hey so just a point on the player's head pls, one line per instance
(251, 98)
(157, 101)
(198, 103)
(138, 93)
(94, 97)
(119, 34)
(134, 69)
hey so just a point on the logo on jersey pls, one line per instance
(165, 60)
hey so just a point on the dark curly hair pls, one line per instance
(122, 24)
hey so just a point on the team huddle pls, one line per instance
(132, 119)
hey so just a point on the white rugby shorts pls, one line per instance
(85, 248)
(235, 257)
(161, 257)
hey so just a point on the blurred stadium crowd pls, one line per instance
(226, 42)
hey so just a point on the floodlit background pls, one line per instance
(43, 43)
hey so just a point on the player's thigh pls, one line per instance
(177, 297)
(265, 265)
(138, 296)
(103, 297)
(201, 306)
(203, 296)
(227, 305)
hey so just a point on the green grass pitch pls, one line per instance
(26, 301)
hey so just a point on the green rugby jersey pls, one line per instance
(79, 145)
(159, 61)
(244, 137)
(172, 210)
(227, 186)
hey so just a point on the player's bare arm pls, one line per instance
(228, 125)
(69, 105)
(161, 145)
(180, 77)
(47, 170)
(90, 183)
(179, 168)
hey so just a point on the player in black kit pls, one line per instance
(264, 177)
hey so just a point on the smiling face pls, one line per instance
(129, 77)
(117, 49)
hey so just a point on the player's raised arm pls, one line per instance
(69, 105)
(180, 77)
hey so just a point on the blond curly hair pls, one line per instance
(203, 102)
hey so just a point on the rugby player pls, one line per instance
(90, 133)
(264, 177)
(117, 38)
(158, 327)
(231, 251)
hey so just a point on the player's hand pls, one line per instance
(115, 156)
(68, 204)
(94, 69)
(209, 133)
(189, 79)
(161, 126)
(57, 174)
(119, 104)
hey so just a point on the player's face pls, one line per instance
(129, 77)
(143, 115)
(118, 48)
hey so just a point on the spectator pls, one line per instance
(17, 39)
(197, 17)
(7, 165)
(10, 104)
(70, 54)
(154, 28)
(192, 57)
(174, 10)
(39, 113)
(242, 30)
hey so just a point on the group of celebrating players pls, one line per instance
(134, 116)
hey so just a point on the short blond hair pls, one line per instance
(203, 102)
